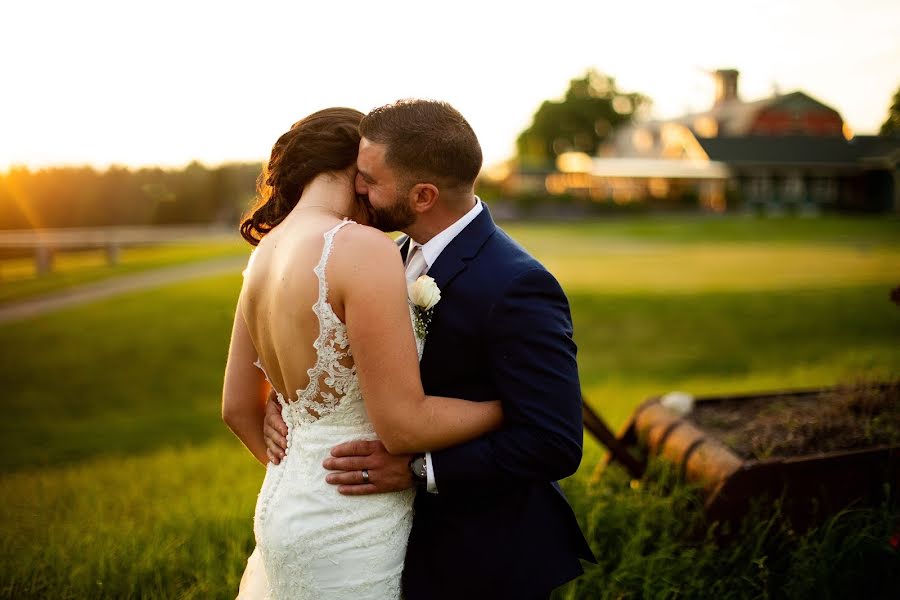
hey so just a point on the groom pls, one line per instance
(490, 519)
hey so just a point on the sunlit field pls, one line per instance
(119, 480)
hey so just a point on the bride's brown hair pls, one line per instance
(323, 142)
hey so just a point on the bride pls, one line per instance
(323, 316)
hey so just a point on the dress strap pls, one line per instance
(326, 252)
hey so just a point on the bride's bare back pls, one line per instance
(278, 301)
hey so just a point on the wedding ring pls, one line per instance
(365, 474)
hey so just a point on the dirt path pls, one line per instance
(90, 292)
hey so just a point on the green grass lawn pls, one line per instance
(119, 480)
(18, 279)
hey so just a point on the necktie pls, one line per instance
(415, 264)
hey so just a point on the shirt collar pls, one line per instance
(433, 247)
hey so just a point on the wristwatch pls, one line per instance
(419, 470)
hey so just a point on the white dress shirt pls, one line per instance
(431, 250)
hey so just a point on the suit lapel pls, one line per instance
(462, 248)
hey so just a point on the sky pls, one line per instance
(136, 82)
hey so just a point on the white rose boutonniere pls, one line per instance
(423, 294)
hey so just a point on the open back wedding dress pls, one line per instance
(312, 542)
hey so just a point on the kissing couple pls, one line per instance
(425, 396)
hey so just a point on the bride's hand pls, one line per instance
(274, 430)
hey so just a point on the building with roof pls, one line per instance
(786, 153)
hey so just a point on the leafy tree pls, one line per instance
(891, 125)
(590, 110)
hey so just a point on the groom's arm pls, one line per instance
(532, 359)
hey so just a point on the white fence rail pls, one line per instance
(46, 242)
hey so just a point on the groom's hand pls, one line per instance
(387, 472)
(274, 430)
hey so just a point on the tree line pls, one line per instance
(87, 197)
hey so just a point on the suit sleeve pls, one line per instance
(532, 359)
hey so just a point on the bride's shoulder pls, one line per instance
(358, 238)
(365, 250)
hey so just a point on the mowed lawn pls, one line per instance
(119, 479)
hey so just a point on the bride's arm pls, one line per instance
(244, 390)
(367, 279)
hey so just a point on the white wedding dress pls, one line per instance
(312, 542)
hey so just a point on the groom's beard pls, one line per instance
(396, 217)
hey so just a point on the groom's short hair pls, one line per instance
(425, 139)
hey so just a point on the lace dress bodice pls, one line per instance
(313, 542)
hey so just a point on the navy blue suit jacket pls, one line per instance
(499, 527)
